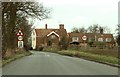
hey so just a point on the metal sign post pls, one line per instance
(20, 39)
(84, 38)
(20, 44)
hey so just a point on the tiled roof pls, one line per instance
(90, 35)
(44, 32)
(81, 34)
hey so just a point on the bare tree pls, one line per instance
(75, 30)
(82, 30)
(95, 28)
(12, 12)
(79, 30)
(106, 29)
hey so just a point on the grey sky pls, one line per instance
(80, 13)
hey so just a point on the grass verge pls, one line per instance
(14, 57)
(113, 61)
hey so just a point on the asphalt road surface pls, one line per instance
(45, 63)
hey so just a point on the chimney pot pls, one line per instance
(61, 26)
(45, 26)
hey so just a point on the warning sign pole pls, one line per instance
(84, 38)
(20, 39)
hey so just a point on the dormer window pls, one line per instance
(108, 40)
(100, 39)
(52, 36)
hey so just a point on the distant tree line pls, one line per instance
(14, 17)
(95, 28)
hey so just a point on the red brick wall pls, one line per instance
(39, 41)
(55, 40)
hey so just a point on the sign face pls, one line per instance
(20, 44)
(84, 37)
(20, 38)
(20, 33)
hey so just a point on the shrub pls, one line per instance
(63, 43)
(53, 48)
(40, 48)
(73, 47)
(100, 45)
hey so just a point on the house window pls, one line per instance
(53, 36)
(75, 39)
(100, 39)
(108, 39)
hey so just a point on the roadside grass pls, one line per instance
(95, 50)
(91, 56)
(105, 56)
(51, 49)
(14, 57)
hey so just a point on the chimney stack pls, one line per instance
(45, 26)
(101, 30)
(61, 26)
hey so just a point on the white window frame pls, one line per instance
(100, 39)
(75, 39)
(108, 39)
(52, 36)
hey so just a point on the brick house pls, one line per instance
(107, 39)
(47, 37)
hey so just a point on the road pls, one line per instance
(46, 63)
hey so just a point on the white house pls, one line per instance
(33, 38)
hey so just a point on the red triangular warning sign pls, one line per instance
(19, 33)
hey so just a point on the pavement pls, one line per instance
(46, 63)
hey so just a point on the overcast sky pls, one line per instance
(80, 13)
